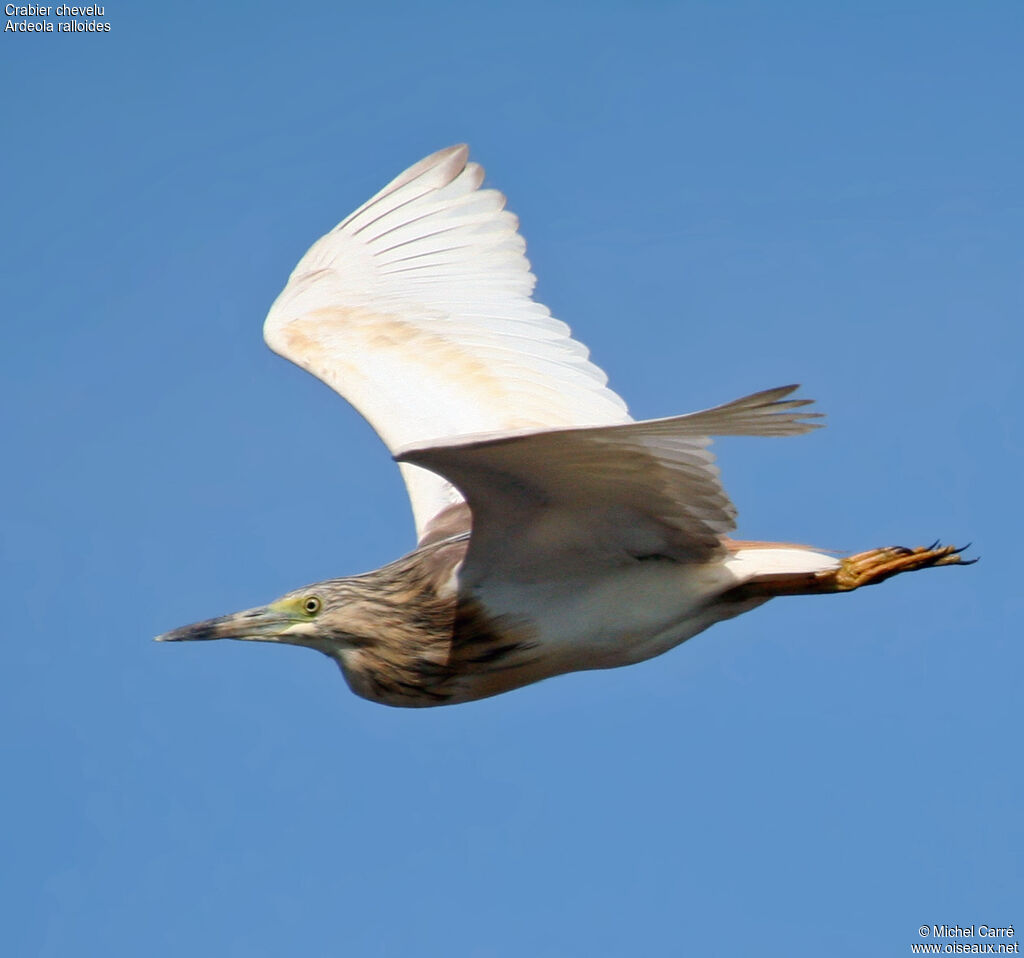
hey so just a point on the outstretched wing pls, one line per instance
(547, 504)
(417, 309)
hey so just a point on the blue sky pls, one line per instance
(718, 198)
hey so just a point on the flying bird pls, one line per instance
(555, 533)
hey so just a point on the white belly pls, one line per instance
(629, 614)
(622, 617)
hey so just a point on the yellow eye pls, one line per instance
(311, 605)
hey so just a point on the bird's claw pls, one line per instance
(877, 565)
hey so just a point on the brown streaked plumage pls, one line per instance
(555, 533)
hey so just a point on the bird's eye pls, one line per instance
(311, 605)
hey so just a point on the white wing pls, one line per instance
(548, 504)
(417, 309)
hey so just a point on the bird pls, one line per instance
(555, 533)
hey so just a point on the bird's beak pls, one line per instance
(265, 624)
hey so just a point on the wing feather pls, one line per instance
(547, 503)
(417, 309)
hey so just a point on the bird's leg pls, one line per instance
(853, 572)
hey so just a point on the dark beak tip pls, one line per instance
(187, 634)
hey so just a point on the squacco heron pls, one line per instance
(555, 533)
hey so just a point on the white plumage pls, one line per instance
(417, 309)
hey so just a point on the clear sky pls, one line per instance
(719, 198)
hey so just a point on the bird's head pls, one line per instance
(389, 630)
(321, 616)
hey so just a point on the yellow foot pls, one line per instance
(877, 565)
